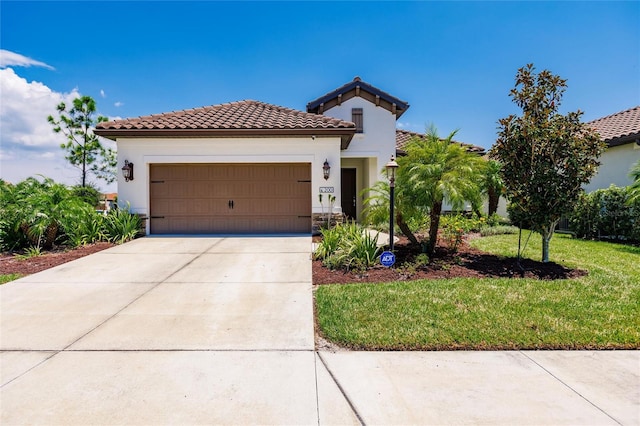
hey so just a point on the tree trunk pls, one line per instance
(547, 233)
(494, 198)
(50, 235)
(434, 223)
(405, 229)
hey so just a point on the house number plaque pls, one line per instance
(326, 189)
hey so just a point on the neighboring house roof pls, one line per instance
(403, 137)
(354, 88)
(242, 118)
(619, 128)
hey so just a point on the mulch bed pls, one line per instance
(12, 264)
(467, 262)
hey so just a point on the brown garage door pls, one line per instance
(230, 198)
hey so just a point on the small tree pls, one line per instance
(437, 171)
(376, 209)
(546, 157)
(434, 171)
(83, 147)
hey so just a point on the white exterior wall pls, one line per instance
(377, 142)
(369, 151)
(145, 151)
(616, 163)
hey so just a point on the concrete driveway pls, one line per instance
(220, 331)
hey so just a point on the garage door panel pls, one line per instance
(196, 198)
(270, 207)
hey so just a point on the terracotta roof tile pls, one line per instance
(403, 137)
(618, 128)
(246, 114)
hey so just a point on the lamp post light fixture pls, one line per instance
(127, 171)
(391, 175)
(326, 168)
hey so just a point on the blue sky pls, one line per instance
(454, 62)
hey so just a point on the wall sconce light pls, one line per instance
(127, 171)
(326, 168)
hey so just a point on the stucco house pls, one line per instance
(621, 132)
(253, 167)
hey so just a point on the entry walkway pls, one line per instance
(220, 331)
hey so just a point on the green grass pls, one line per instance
(600, 310)
(5, 278)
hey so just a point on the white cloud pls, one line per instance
(28, 144)
(409, 127)
(8, 58)
(118, 104)
(102, 94)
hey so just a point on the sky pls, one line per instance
(454, 62)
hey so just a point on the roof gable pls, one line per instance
(358, 88)
(242, 118)
(619, 128)
(403, 137)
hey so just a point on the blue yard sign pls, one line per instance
(387, 259)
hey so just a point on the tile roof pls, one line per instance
(246, 117)
(354, 88)
(619, 128)
(403, 137)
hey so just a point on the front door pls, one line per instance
(348, 193)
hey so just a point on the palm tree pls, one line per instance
(37, 209)
(377, 209)
(437, 171)
(492, 185)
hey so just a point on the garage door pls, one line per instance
(230, 198)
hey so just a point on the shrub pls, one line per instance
(347, 246)
(88, 194)
(82, 225)
(32, 212)
(38, 214)
(329, 243)
(121, 226)
(454, 227)
(486, 231)
(606, 213)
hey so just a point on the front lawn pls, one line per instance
(600, 310)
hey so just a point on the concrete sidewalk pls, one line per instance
(220, 331)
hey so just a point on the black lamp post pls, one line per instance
(391, 174)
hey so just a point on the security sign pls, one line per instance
(387, 259)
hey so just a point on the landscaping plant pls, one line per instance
(347, 246)
(546, 157)
(35, 215)
(409, 217)
(434, 171)
(33, 212)
(121, 226)
(610, 213)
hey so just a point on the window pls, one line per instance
(356, 117)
